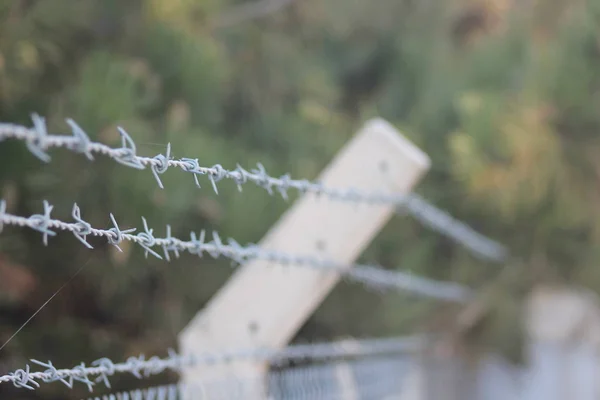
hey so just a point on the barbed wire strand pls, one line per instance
(99, 371)
(379, 377)
(370, 275)
(38, 141)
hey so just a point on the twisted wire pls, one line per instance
(370, 275)
(38, 141)
(100, 371)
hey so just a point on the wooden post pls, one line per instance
(264, 304)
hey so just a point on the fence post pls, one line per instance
(345, 375)
(264, 304)
(563, 329)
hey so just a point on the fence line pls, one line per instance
(38, 141)
(102, 369)
(370, 275)
(380, 377)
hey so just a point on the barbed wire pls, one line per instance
(370, 275)
(161, 392)
(445, 223)
(38, 141)
(99, 371)
(381, 377)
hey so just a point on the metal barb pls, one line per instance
(135, 365)
(107, 368)
(83, 228)
(21, 378)
(216, 174)
(191, 165)
(115, 235)
(170, 244)
(147, 240)
(51, 373)
(127, 153)
(262, 178)
(284, 186)
(81, 375)
(160, 165)
(216, 246)
(237, 254)
(83, 140)
(241, 178)
(42, 223)
(36, 143)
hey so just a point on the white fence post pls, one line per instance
(563, 326)
(344, 374)
(264, 304)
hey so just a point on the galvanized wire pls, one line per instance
(38, 141)
(446, 224)
(101, 370)
(370, 275)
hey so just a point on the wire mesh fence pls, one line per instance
(380, 377)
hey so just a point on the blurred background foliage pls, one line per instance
(502, 94)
